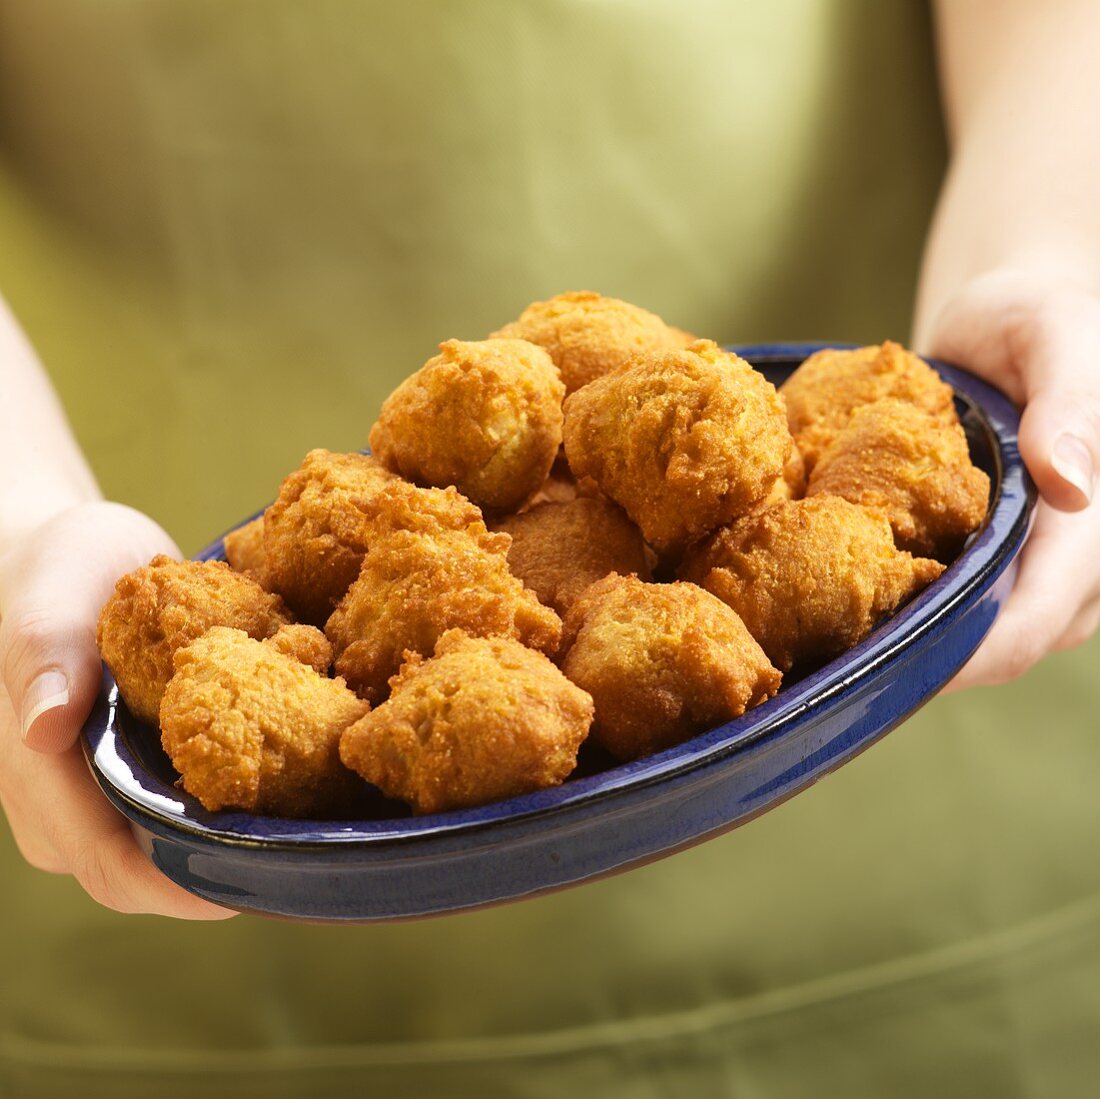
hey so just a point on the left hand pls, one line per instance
(1038, 340)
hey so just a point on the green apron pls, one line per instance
(230, 227)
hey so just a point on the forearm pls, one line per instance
(1022, 97)
(43, 470)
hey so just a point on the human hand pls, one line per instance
(53, 583)
(1038, 340)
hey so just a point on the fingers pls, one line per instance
(51, 668)
(52, 587)
(1038, 339)
(1039, 343)
(1060, 427)
(96, 845)
(62, 823)
(1054, 600)
(51, 592)
(1081, 628)
(33, 846)
(112, 871)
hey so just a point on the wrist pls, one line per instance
(28, 503)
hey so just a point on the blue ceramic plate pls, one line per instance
(388, 865)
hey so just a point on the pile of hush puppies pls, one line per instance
(588, 525)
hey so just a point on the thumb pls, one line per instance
(53, 588)
(1060, 426)
(51, 666)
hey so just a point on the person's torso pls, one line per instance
(230, 229)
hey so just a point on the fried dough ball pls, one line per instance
(249, 727)
(163, 606)
(401, 506)
(791, 485)
(319, 527)
(316, 532)
(588, 335)
(662, 662)
(915, 469)
(809, 578)
(484, 417)
(414, 586)
(305, 644)
(824, 391)
(484, 719)
(561, 486)
(557, 550)
(244, 549)
(683, 441)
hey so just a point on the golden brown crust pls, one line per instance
(414, 586)
(588, 335)
(791, 485)
(557, 550)
(484, 719)
(561, 486)
(244, 549)
(662, 662)
(809, 578)
(824, 391)
(897, 459)
(249, 727)
(315, 533)
(327, 511)
(164, 605)
(683, 441)
(558, 488)
(484, 417)
(306, 644)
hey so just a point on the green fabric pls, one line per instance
(235, 225)
(230, 227)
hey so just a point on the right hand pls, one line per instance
(53, 583)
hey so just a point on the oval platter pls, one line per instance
(389, 865)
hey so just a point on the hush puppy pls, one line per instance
(414, 586)
(791, 485)
(318, 529)
(306, 644)
(561, 486)
(484, 417)
(809, 578)
(163, 606)
(588, 335)
(557, 550)
(915, 469)
(244, 549)
(484, 719)
(662, 663)
(824, 391)
(249, 727)
(684, 441)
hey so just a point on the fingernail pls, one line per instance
(1072, 460)
(47, 692)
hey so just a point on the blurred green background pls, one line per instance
(230, 229)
